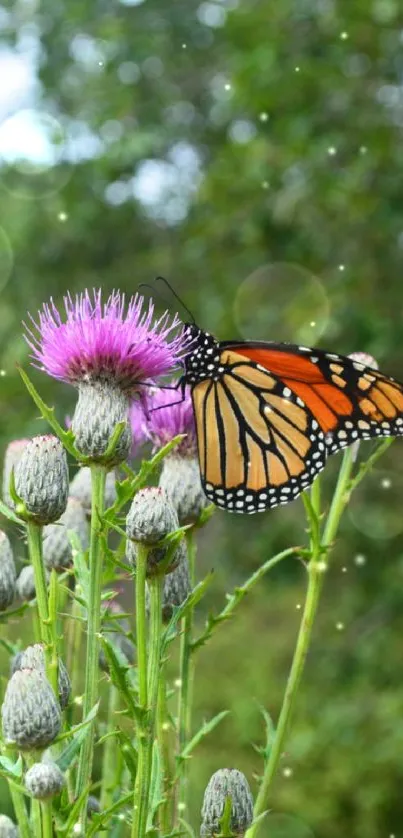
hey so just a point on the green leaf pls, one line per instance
(156, 795)
(270, 734)
(118, 666)
(190, 602)
(48, 413)
(201, 734)
(225, 820)
(129, 753)
(79, 734)
(8, 513)
(14, 769)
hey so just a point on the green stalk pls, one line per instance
(316, 567)
(110, 756)
(20, 811)
(142, 781)
(36, 818)
(91, 689)
(154, 662)
(47, 820)
(164, 740)
(47, 630)
(186, 669)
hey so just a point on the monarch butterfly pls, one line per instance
(268, 415)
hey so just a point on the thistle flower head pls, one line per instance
(57, 550)
(33, 657)
(138, 423)
(176, 585)
(11, 457)
(227, 782)
(30, 713)
(93, 806)
(112, 341)
(169, 413)
(151, 517)
(42, 479)
(80, 488)
(44, 780)
(8, 829)
(7, 572)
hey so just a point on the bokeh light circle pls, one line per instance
(6, 258)
(32, 147)
(282, 302)
(287, 826)
(375, 508)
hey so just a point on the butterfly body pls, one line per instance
(268, 415)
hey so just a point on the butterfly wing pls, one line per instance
(266, 424)
(259, 445)
(349, 400)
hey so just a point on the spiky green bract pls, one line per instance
(42, 479)
(30, 713)
(226, 782)
(33, 657)
(44, 780)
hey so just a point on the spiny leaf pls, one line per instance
(205, 729)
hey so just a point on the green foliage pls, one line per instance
(259, 253)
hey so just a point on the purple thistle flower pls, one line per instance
(105, 341)
(168, 413)
(138, 422)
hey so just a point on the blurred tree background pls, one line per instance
(252, 153)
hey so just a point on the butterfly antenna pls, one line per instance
(177, 297)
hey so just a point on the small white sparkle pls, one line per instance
(287, 772)
(332, 150)
(181, 807)
(343, 36)
(178, 683)
(265, 184)
(227, 86)
(298, 606)
(386, 483)
(2, 373)
(297, 69)
(165, 726)
(342, 267)
(78, 700)
(184, 46)
(340, 626)
(344, 570)
(77, 829)
(313, 323)
(363, 149)
(322, 567)
(100, 63)
(62, 216)
(263, 116)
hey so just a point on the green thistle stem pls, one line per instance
(142, 781)
(164, 740)
(98, 476)
(186, 669)
(47, 630)
(20, 811)
(109, 760)
(47, 819)
(316, 567)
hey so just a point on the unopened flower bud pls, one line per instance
(115, 631)
(93, 806)
(11, 457)
(30, 712)
(8, 829)
(44, 780)
(100, 408)
(33, 657)
(7, 572)
(151, 517)
(180, 478)
(176, 586)
(42, 480)
(57, 550)
(26, 583)
(80, 488)
(227, 782)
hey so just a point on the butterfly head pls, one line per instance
(203, 358)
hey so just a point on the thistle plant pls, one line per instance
(111, 580)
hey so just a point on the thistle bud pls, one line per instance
(8, 829)
(7, 572)
(11, 457)
(30, 712)
(44, 780)
(93, 806)
(176, 586)
(151, 517)
(227, 782)
(33, 657)
(57, 551)
(100, 407)
(26, 583)
(80, 488)
(180, 479)
(41, 479)
(115, 631)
